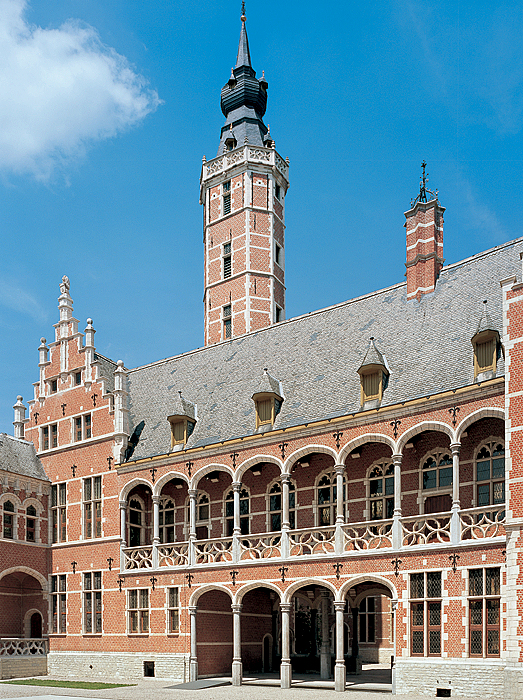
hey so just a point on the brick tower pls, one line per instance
(424, 226)
(243, 193)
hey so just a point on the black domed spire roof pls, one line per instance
(244, 98)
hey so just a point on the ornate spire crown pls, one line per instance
(425, 195)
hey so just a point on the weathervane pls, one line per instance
(423, 189)
(243, 17)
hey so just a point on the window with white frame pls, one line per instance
(437, 471)
(367, 620)
(31, 516)
(381, 490)
(49, 436)
(173, 610)
(58, 512)
(425, 614)
(136, 520)
(93, 602)
(167, 518)
(326, 498)
(227, 321)
(138, 611)
(9, 523)
(82, 428)
(92, 496)
(227, 260)
(226, 197)
(484, 612)
(58, 604)
(244, 513)
(276, 506)
(489, 473)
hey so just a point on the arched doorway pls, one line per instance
(36, 625)
(214, 642)
(22, 598)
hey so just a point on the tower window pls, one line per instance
(78, 378)
(278, 315)
(227, 321)
(278, 191)
(277, 255)
(227, 260)
(53, 385)
(226, 189)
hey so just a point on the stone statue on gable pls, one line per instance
(65, 285)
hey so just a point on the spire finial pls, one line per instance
(243, 17)
(425, 195)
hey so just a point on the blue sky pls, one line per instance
(106, 109)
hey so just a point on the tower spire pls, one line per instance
(244, 57)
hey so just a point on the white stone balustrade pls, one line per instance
(416, 531)
(244, 154)
(22, 647)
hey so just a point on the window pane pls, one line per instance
(434, 614)
(390, 508)
(483, 494)
(434, 642)
(324, 495)
(445, 476)
(492, 582)
(475, 582)
(492, 612)
(493, 642)
(389, 486)
(97, 487)
(97, 582)
(173, 597)
(275, 501)
(292, 499)
(476, 612)
(133, 599)
(434, 584)
(483, 470)
(498, 492)
(498, 468)
(144, 598)
(429, 479)
(476, 642)
(376, 487)
(275, 522)
(376, 510)
(417, 642)
(87, 490)
(416, 586)
(244, 506)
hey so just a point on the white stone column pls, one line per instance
(340, 509)
(193, 661)
(236, 487)
(325, 653)
(339, 668)
(396, 524)
(156, 530)
(285, 668)
(192, 524)
(285, 524)
(237, 668)
(123, 532)
(455, 525)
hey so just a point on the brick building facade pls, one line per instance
(298, 494)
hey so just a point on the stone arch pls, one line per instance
(196, 478)
(8, 496)
(33, 502)
(364, 439)
(27, 621)
(26, 570)
(366, 594)
(193, 600)
(424, 427)
(165, 479)
(487, 412)
(304, 451)
(252, 461)
(366, 578)
(238, 597)
(287, 594)
(126, 490)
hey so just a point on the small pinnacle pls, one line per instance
(265, 369)
(372, 338)
(43, 340)
(180, 393)
(485, 301)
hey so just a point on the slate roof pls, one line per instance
(426, 346)
(373, 356)
(19, 457)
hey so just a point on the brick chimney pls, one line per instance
(424, 241)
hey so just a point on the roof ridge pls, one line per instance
(294, 319)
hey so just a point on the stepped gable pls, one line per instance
(316, 357)
(19, 457)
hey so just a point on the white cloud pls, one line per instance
(60, 89)
(13, 297)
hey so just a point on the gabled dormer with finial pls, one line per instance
(268, 400)
(182, 421)
(374, 377)
(487, 347)
(243, 193)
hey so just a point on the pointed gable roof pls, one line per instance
(373, 358)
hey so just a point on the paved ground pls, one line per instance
(370, 686)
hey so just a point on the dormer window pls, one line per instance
(487, 347)
(268, 400)
(181, 429)
(267, 408)
(485, 352)
(374, 376)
